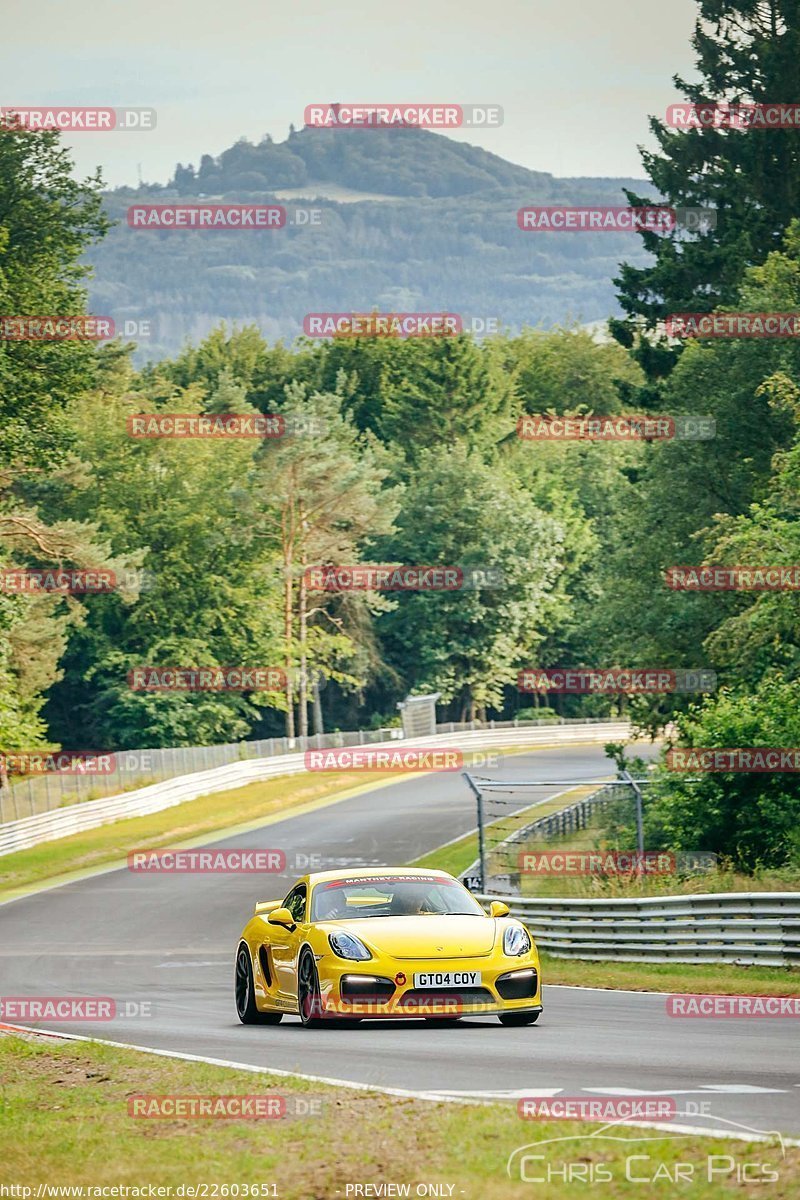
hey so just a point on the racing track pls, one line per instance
(170, 939)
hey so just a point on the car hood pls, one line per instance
(423, 937)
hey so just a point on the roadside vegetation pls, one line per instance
(406, 451)
(64, 1120)
(191, 823)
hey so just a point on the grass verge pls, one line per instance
(715, 978)
(256, 802)
(64, 1121)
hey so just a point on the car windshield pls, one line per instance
(391, 896)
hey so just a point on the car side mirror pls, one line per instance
(496, 909)
(281, 916)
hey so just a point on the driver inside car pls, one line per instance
(331, 906)
(407, 903)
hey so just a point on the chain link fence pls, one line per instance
(518, 827)
(593, 829)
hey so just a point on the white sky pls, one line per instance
(576, 78)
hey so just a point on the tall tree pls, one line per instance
(47, 221)
(173, 507)
(420, 392)
(469, 642)
(747, 51)
(319, 498)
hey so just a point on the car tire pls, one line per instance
(245, 993)
(309, 1001)
(521, 1018)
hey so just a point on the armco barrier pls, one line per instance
(47, 826)
(138, 768)
(733, 927)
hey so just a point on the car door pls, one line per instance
(285, 943)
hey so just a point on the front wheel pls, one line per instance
(519, 1018)
(245, 993)
(309, 1001)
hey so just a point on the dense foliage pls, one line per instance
(406, 451)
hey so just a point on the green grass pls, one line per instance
(64, 1121)
(170, 827)
(594, 837)
(719, 978)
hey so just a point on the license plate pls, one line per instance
(445, 979)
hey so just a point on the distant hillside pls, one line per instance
(397, 162)
(438, 232)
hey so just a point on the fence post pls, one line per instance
(481, 831)
(626, 775)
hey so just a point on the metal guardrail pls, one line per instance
(60, 822)
(137, 768)
(747, 928)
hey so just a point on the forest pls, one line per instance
(407, 451)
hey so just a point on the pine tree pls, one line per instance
(746, 52)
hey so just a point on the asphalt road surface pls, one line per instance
(167, 941)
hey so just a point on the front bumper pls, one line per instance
(385, 988)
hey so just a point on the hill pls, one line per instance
(408, 220)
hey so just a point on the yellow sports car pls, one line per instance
(384, 942)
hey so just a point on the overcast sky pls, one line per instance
(576, 78)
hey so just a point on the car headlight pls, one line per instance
(347, 945)
(516, 941)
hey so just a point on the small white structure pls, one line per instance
(419, 715)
